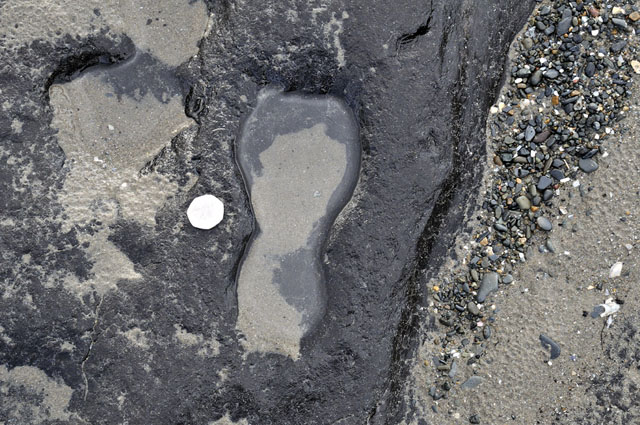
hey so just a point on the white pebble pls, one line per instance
(205, 212)
(616, 270)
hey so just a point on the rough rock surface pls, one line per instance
(162, 347)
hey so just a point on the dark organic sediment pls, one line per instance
(419, 76)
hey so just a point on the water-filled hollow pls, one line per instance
(300, 158)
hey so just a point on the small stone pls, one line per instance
(590, 69)
(486, 332)
(205, 212)
(563, 26)
(523, 202)
(557, 174)
(551, 74)
(619, 22)
(500, 227)
(473, 308)
(527, 43)
(507, 279)
(535, 78)
(635, 16)
(474, 419)
(617, 10)
(544, 183)
(453, 370)
(551, 345)
(472, 382)
(489, 284)
(588, 165)
(550, 246)
(544, 223)
(529, 133)
(618, 46)
(542, 136)
(636, 66)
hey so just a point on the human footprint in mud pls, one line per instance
(300, 159)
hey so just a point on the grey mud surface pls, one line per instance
(113, 312)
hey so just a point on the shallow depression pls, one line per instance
(300, 157)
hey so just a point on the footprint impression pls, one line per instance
(300, 158)
(112, 120)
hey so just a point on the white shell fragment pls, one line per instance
(607, 309)
(616, 270)
(205, 212)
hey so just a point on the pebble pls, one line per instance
(563, 26)
(473, 308)
(619, 22)
(523, 202)
(551, 74)
(486, 332)
(529, 133)
(588, 165)
(590, 70)
(489, 284)
(453, 370)
(544, 223)
(550, 246)
(544, 183)
(618, 46)
(535, 78)
(473, 419)
(472, 382)
(205, 212)
(551, 345)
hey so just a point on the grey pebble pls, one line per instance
(507, 279)
(544, 182)
(551, 345)
(529, 133)
(557, 174)
(486, 332)
(472, 382)
(551, 74)
(619, 22)
(590, 69)
(618, 46)
(523, 202)
(544, 223)
(563, 25)
(535, 78)
(489, 284)
(473, 308)
(501, 227)
(588, 165)
(527, 43)
(453, 370)
(551, 246)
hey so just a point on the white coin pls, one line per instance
(205, 212)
